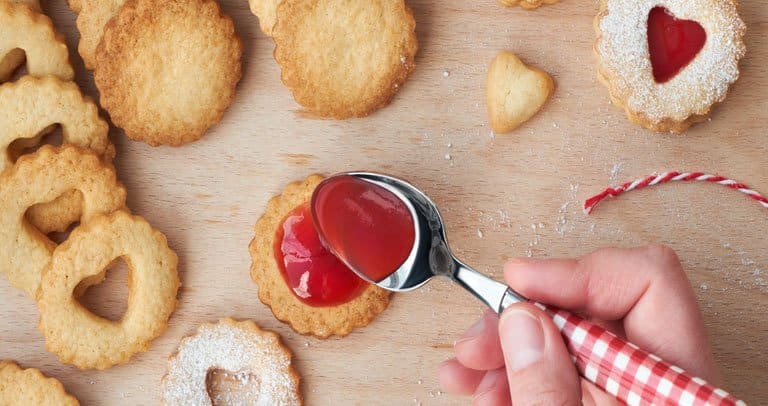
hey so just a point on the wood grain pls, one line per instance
(502, 196)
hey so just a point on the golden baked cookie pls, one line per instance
(526, 4)
(83, 339)
(92, 16)
(321, 322)
(266, 11)
(257, 358)
(30, 387)
(167, 71)
(515, 92)
(21, 27)
(344, 58)
(666, 63)
(15, 57)
(42, 177)
(32, 105)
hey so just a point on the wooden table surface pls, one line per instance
(502, 196)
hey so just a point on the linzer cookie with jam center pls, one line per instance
(668, 62)
(299, 279)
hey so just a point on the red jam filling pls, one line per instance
(315, 276)
(672, 43)
(367, 225)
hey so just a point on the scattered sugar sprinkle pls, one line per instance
(480, 233)
(448, 157)
(446, 73)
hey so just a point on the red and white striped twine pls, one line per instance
(652, 180)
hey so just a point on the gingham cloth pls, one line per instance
(632, 375)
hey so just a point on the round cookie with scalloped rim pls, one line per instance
(257, 358)
(19, 386)
(320, 322)
(166, 71)
(344, 58)
(626, 66)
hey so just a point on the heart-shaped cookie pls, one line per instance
(514, 91)
(667, 62)
(672, 43)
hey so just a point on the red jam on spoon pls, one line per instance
(365, 224)
(672, 43)
(314, 274)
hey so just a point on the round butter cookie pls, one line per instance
(292, 304)
(667, 62)
(257, 359)
(167, 70)
(344, 58)
(30, 387)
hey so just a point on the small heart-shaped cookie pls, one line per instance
(514, 91)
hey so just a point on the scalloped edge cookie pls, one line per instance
(238, 347)
(688, 97)
(274, 292)
(194, 55)
(20, 386)
(344, 59)
(23, 27)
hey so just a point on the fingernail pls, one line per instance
(522, 338)
(473, 331)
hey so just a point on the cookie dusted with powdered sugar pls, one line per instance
(257, 358)
(668, 62)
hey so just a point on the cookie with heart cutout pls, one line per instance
(27, 35)
(668, 62)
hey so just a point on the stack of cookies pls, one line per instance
(71, 189)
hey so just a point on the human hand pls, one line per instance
(641, 294)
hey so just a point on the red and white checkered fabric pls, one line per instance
(632, 375)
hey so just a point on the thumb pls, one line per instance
(539, 367)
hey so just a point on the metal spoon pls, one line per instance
(616, 366)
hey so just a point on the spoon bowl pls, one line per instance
(430, 255)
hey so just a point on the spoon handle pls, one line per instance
(632, 375)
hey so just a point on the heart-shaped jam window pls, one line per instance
(672, 43)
